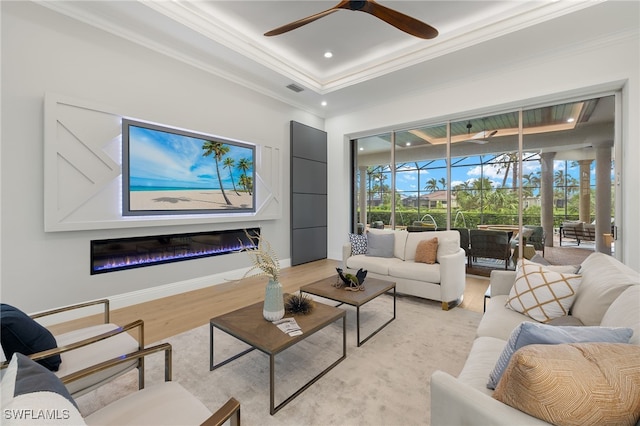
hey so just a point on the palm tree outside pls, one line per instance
(432, 185)
(443, 182)
(218, 149)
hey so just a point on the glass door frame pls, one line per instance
(617, 154)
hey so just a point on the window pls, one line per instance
(489, 170)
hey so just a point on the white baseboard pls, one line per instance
(141, 296)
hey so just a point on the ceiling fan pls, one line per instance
(399, 20)
(480, 137)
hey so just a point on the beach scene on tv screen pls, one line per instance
(175, 172)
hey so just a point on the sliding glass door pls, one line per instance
(574, 144)
(536, 167)
(372, 181)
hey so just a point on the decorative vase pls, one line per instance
(273, 309)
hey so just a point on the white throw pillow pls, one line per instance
(540, 293)
(604, 279)
(448, 243)
(625, 312)
(401, 241)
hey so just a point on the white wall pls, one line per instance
(553, 76)
(43, 51)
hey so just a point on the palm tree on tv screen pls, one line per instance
(247, 183)
(229, 163)
(244, 164)
(218, 149)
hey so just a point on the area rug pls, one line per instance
(383, 382)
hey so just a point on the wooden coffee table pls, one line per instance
(248, 325)
(373, 288)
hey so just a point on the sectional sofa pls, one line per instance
(607, 295)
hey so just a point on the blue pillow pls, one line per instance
(32, 377)
(20, 333)
(380, 245)
(530, 333)
(358, 244)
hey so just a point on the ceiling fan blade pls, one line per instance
(400, 20)
(482, 137)
(304, 21)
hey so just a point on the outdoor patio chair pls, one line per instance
(419, 226)
(490, 244)
(536, 239)
(464, 242)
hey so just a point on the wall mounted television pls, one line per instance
(169, 171)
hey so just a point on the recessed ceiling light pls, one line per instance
(407, 144)
(361, 149)
(328, 54)
(571, 120)
(324, 103)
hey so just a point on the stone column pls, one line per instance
(546, 195)
(585, 191)
(362, 196)
(603, 194)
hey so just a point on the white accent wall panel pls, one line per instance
(83, 179)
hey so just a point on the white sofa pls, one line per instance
(443, 281)
(609, 295)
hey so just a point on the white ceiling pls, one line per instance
(372, 60)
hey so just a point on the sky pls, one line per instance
(163, 159)
(407, 181)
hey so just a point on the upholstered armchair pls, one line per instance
(36, 388)
(67, 353)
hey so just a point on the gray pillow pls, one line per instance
(530, 333)
(380, 245)
(32, 377)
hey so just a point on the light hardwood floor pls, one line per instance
(172, 315)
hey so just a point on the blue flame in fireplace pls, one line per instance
(127, 253)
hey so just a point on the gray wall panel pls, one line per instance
(310, 143)
(309, 244)
(310, 176)
(311, 210)
(308, 194)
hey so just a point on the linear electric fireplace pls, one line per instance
(127, 253)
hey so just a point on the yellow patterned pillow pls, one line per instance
(427, 250)
(541, 293)
(575, 384)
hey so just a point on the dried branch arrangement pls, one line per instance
(263, 257)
